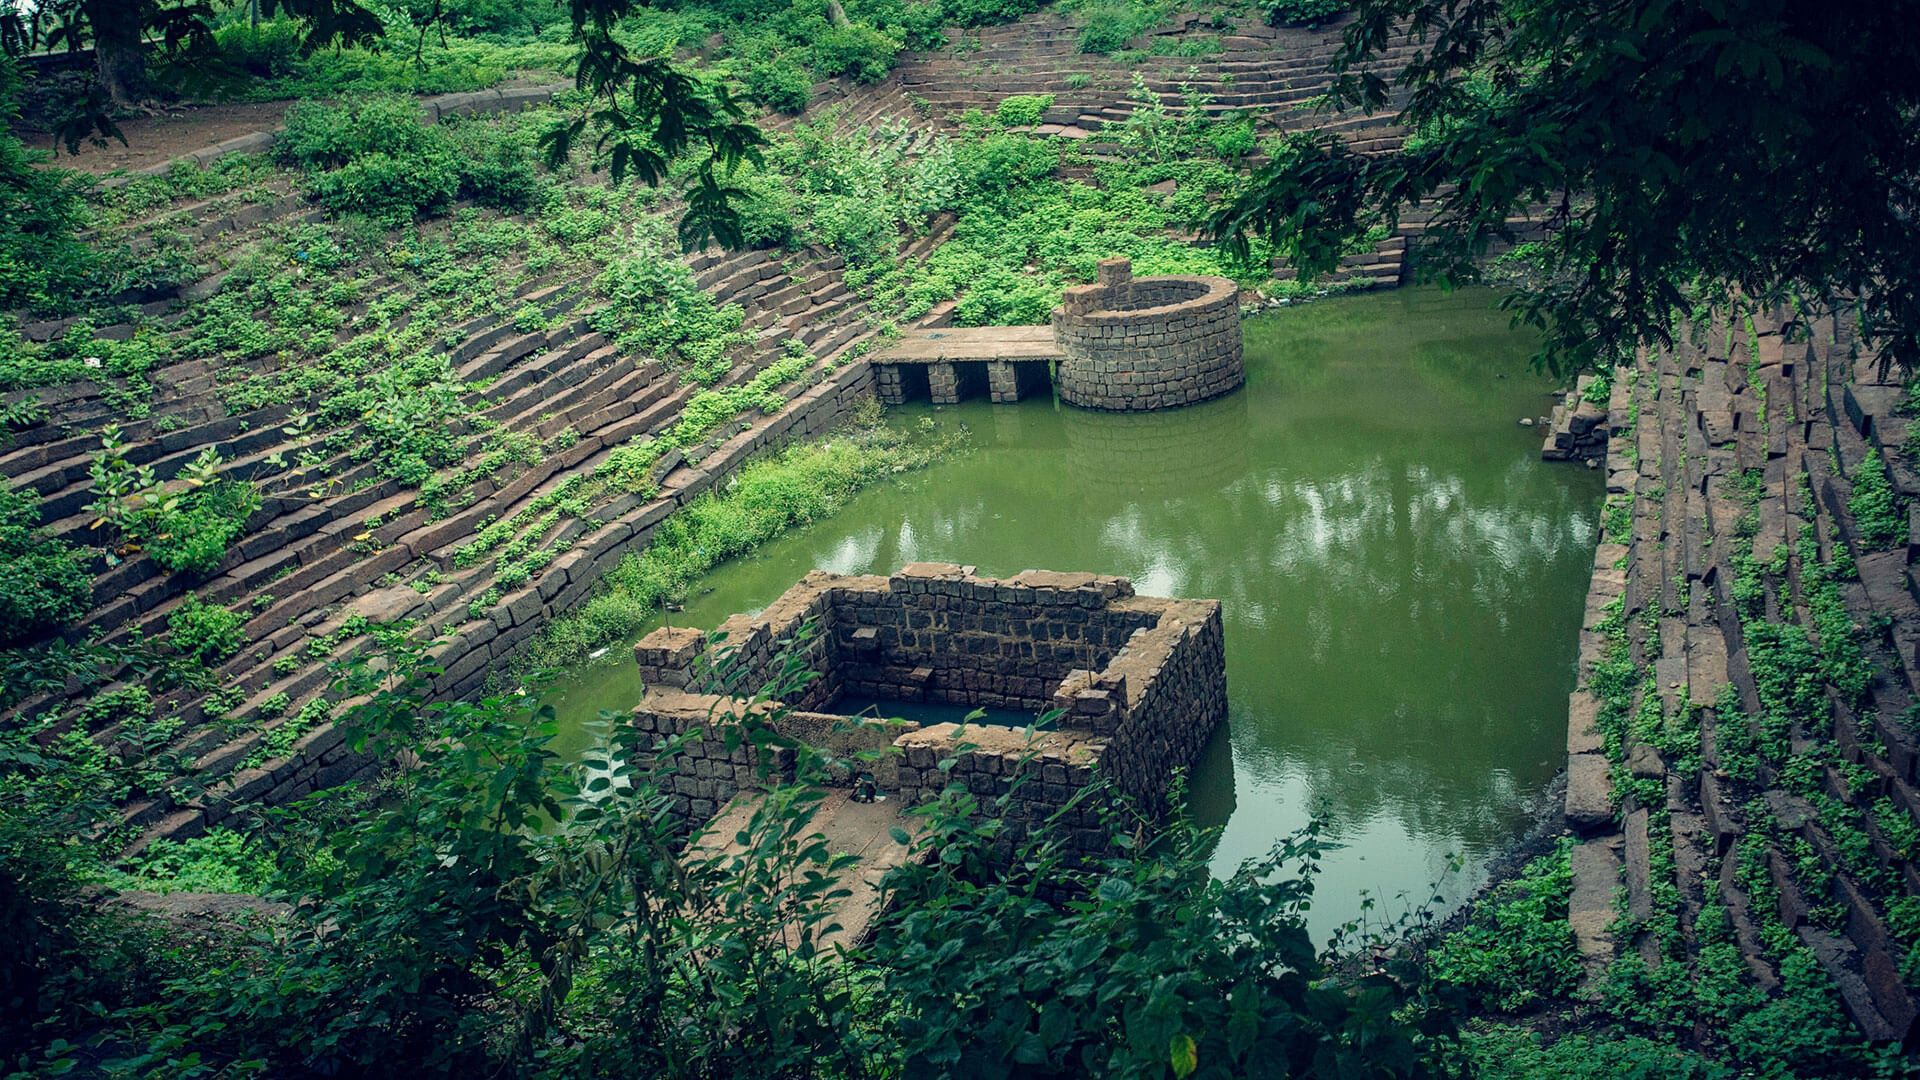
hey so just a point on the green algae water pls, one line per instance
(1403, 578)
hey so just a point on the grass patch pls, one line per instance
(797, 486)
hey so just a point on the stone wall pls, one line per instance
(1140, 682)
(1038, 774)
(1147, 343)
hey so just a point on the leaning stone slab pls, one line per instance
(1589, 792)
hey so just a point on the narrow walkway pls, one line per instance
(948, 364)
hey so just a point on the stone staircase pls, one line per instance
(1735, 813)
(337, 545)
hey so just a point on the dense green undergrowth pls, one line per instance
(493, 910)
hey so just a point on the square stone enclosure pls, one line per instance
(1141, 680)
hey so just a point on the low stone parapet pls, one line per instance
(1148, 343)
(1138, 684)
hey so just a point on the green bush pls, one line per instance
(766, 215)
(194, 534)
(857, 51)
(988, 12)
(999, 163)
(390, 190)
(1023, 110)
(204, 634)
(779, 85)
(1233, 139)
(372, 156)
(324, 135)
(1112, 24)
(1517, 948)
(495, 162)
(270, 50)
(42, 266)
(1874, 504)
(1504, 1053)
(219, 860)
(1001, 297)
(43, 581)
(1302, 12)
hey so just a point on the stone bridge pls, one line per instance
(1121, 344)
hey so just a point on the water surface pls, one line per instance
(1403, 578)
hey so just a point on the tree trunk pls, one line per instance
(118, 52)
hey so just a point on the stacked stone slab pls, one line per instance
(1579, 428)
(1139, 681)
(1750, 437)
(1148, 343)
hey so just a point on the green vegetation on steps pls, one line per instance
(797, 486)
(1875, 506)
(44, 582)
(372, 156)
(1517, 949)
(202, 633)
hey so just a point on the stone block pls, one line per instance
(1589, 792)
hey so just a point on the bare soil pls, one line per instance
(166, 133)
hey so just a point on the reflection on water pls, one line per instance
(1402, 576)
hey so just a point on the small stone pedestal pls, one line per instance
(667, 656)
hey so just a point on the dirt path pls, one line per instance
(167, 134)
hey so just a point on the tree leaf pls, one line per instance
(1184, 1056)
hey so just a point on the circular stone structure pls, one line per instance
(1133, 344)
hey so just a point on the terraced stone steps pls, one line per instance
(324, 557)
(1748, 447)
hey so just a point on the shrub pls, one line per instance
(1111, 25)
(495, 164)
(392, 191)
(270, 50)
(766, 215)
(327, 135)
(1023, 110)
(1517, 948)
(1302, 12)
(372, 156)
(988, 12)
(1874, 504)
(779, 85)
(43, 582)
(193, 535)
(1233, 139)
(217, 861)
(854, 50)
(42, 266)
(1000, 163)
(1003, 298)
(204, 633)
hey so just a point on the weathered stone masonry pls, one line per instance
(1148, 343)
(1122, 344)
(1141, 682)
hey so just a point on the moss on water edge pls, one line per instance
(795, 486)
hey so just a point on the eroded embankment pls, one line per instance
(1742, 752)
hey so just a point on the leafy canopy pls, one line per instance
(1681, 151)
